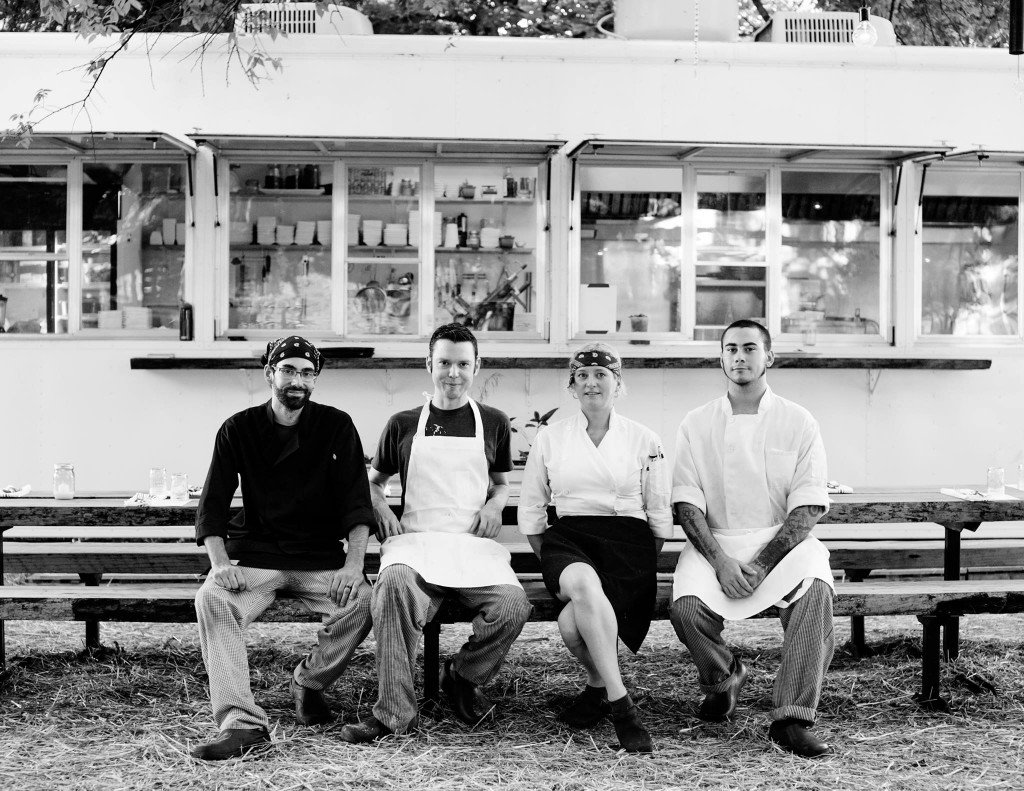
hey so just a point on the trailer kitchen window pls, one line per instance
(970, 252)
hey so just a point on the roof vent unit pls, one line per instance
(301, 18)
(824, 27)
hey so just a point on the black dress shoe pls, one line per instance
(367, 730)
(587, 709)
(467, 701)
(720, 706)
(795, 736)
(310, 706)
(230, 743)
(633, 736)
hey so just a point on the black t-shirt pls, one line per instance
(395, 444)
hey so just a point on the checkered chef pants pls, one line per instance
(403, 603)
(807, 649)
(224, 614)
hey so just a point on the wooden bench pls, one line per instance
(150, 542)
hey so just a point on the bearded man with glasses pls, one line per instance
(304, 488)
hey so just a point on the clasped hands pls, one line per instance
(738, 579)
(486, 523)
(344, 583)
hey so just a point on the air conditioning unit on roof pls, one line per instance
(824, 27)
(300, 18)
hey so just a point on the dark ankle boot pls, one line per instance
(633, 736)
(587, 709)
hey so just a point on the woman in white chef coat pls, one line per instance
(607, 479)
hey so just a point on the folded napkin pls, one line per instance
(14, 491)
(834, 487)
(974, 494)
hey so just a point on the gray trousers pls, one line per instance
(403, 603)
(223, 616)
(806, 649)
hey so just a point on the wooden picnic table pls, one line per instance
(863, 510)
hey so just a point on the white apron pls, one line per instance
(445, 488)
(749, 506)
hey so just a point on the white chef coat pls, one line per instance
(746, 473)
(626, 475)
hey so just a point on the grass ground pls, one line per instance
(127, 718)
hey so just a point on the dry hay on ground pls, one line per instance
(127, 718)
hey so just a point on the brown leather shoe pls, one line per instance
(310, 706)
(230, 743)
(720, 706)
(467, 701)
(796, 737)
(367, 730)
(633, 736)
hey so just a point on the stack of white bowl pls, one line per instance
(372, 232)
(489, 238)
(304, 230)
(323, 233)
(265, 227)
(241, 233)
(286, 234)
(396, 234)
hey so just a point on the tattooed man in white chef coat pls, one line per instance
(747, 488)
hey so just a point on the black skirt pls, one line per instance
(621, 550)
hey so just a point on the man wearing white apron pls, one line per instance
(453, 456)
(748, 487)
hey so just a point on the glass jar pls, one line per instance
(63, 481)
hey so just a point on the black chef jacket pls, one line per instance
(303, 491)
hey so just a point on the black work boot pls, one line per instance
(795, 736)
(587, 709)
(310, 706)
(720, 706)
(633, 736)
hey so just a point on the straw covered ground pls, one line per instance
(126, 719)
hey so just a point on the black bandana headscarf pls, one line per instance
(292, 346)
(595, 357)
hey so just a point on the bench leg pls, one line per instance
(858, 645)
(92, 627)
(432, 662)
(930, 697)
(3, 653)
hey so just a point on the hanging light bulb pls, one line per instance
(864, 35)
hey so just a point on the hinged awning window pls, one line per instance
(380, 147)
(97, 143)
(597, 150)
(981, 156)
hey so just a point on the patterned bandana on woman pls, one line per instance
(292, 346)
(595, 357)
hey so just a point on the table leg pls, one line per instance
(3, 641)
(92, 627)
(431, 662)
(930, 697)
(951, 571)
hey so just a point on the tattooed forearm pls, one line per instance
(795, 529)
(695, 525)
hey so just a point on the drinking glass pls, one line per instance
(157, 482)
(996, 480)
(179, 486)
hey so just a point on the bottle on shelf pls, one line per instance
(291, 177)
(463, 223)
(511, 186)
(272, 180)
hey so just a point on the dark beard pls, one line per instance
(293, 398)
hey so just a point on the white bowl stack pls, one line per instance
(304, 230)
(489, 238)
(396, 234)
(372, 232)
(286, 234)
(323, 233)
(265, 227)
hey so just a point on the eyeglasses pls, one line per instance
(306, 375)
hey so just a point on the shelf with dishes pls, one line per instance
(275, 246)
(486, 199)
(485, 250)
(383, 198)
(712, 282)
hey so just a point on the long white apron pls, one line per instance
(445, 488)
(746, 471)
